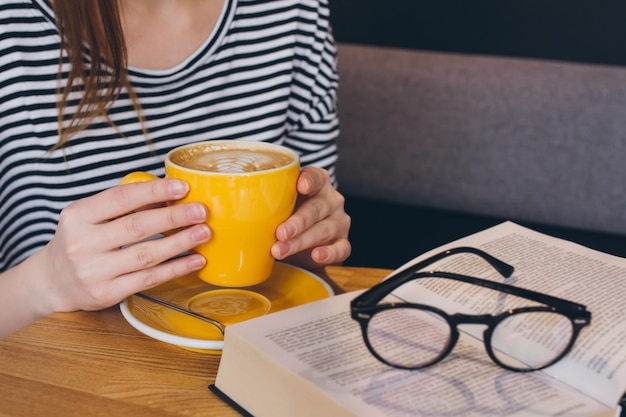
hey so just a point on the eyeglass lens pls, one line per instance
(410, 337)
(536, 338)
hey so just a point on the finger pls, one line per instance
(311, 211)
(306, 215)
(149, 278)
(322, 255)
(338, 252)
(134, 282)
(317, 199)
(117, 201)
(149, 253)
(312, 180)
(318, 234)
(141, 225)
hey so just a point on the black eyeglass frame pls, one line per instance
(364, 306)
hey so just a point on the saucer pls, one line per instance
(288, 286)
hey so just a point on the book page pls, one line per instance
(322, 344)
(597, 363)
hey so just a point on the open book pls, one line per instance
(311, 360)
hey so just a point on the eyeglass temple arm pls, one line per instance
(379, 291)
(516, 291)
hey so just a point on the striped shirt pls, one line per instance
(266, 73)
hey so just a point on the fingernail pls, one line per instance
(322, 255)
(177, 188)
(287, 231)
(281, 249)
(196, 212)
(308, 184)
(195, 262)
(200, 233)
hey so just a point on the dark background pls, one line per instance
(589, 31)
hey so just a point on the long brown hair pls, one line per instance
(95, 25)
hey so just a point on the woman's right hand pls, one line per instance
(101, 253)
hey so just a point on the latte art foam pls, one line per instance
(232, 161)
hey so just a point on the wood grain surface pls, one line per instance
(96, 364)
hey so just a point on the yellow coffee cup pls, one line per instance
(249, 189)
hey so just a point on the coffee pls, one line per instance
(230, 159)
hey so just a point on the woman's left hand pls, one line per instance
(316, 234)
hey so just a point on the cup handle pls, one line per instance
(137, 177)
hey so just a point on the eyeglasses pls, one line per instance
(414, 336)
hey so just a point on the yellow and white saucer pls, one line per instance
(288, 286)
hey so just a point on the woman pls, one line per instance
(137, 78)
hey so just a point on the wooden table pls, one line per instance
(96, 364)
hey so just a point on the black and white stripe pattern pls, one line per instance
(267, 73)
